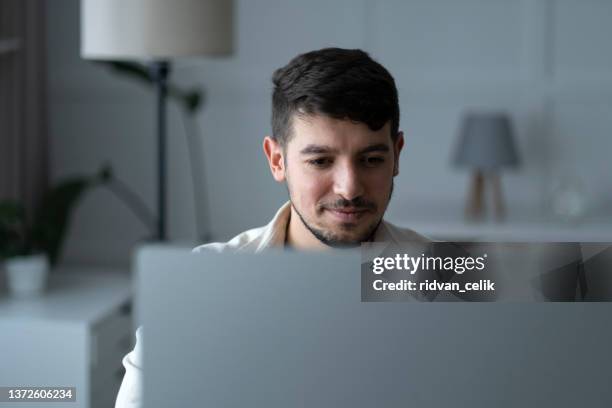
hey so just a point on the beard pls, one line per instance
(334, 239)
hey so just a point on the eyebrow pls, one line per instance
(319, 149)
(380, 147)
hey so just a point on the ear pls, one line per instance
(274, 154)
(397, 148)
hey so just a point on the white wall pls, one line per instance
(546, 62)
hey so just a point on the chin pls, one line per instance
(339, 233)
(353, 238)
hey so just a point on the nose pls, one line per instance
(347, 182)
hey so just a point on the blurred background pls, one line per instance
(543, 63)
(534, 74)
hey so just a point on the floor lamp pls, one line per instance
(156, 31)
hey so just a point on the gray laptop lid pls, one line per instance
(289, 330)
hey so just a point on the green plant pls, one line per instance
(190, 99)
(47, 230)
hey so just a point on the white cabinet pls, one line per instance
(74, 335)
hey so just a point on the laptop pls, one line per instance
(289, 329)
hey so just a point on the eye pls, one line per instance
(320, 162)
(373, 161)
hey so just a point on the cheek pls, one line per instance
(314, 190)
(307, 187)
(378, 185)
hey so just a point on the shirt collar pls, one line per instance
(276, 230)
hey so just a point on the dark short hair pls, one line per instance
(336, 82)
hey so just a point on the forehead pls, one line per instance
(337, 133)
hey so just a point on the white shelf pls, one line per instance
(517, 230)
(82, 296)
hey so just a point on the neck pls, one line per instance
(299, 237)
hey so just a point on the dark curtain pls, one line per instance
(23, 122)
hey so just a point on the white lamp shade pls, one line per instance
(155, 29)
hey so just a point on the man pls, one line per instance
(336, 144)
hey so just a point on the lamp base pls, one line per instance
(475, 206)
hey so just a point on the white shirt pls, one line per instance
(253, 240)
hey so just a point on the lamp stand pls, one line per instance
(159, 71)
(475, 203)
(475, 207)
(498, 201)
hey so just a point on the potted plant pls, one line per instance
(27, 249)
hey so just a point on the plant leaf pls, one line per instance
(191, 99)
(52, 220)
(12, 229)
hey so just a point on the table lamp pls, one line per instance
(486, 145)
(156, 31)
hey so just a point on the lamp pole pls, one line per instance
(160, 71)
(196, 28)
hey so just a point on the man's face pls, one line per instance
(340, 177)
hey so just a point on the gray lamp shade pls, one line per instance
(155, 29)
(486, 142)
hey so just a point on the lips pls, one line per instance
(347, 214)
